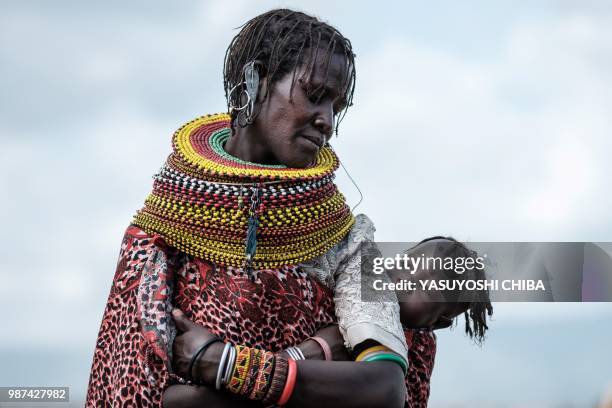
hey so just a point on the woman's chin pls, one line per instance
(300, 162)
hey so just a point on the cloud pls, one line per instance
(534, 314)
(509, 148)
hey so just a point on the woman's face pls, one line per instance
(291, 132)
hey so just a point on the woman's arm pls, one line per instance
(198, 396)
(191, 396)
(183, 396)
(348, 384)
(319, 383)
(121, 370)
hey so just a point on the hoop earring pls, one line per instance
(233, 108)
(250, 87)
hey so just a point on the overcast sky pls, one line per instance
(482, 120)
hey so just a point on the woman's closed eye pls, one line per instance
(315, 96)
(339, 105)
(314, 93)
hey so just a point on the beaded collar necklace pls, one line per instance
(214, 206)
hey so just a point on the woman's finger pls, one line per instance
(183, 324)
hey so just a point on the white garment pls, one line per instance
(340, 269)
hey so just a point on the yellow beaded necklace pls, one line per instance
(217, 207)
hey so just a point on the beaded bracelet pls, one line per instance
(257, 374)
(241, 369)
(249, 371)
(279, 379)
(251, 377)
(264, 376)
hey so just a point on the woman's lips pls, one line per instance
(317, 141)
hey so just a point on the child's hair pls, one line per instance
(479, 306)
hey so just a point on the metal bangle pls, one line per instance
(290, 352)
(295, 353)
(222, 365)
(229, 368)
(201, 350)
(300, 353)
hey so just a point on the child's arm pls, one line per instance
(364, 323)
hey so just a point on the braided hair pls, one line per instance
(280, 41)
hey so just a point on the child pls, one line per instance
(423, 312)
(437, 309)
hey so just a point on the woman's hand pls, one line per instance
(191, 337)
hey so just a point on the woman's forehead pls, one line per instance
(329, 71)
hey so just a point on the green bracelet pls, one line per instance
(390, 357)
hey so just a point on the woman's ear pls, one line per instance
(263, 89)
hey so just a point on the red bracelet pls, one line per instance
(290, 384)
(325, 346)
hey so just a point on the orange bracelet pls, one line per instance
(290, 384)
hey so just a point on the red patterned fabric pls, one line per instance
(280, 308)
(421, 357)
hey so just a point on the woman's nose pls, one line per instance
(324, 122)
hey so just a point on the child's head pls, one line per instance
(436, 308)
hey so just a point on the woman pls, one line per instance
(247, 235)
